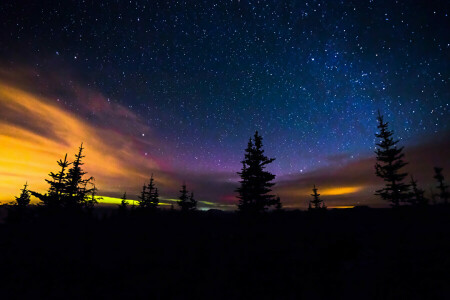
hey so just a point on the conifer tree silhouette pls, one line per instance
(192, 202)
(278, 204)
(75, 185)
(255, 182)
(155, 199)
(149, 198)
(53, 197)
(186, 202)
(417, 195)
(316, 203)
(388, 166)
(92, 200)
(68, 188)
(123, 206)
(24, 199)
(143, 197)
(443, 192)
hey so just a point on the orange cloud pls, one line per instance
(34, 133)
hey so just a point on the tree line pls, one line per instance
(71, 189)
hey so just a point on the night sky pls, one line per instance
(176, 88)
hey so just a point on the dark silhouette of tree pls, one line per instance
(443, 193)
(278, 204)
(53, 198)
(388, 166)
(186, 203)
(192, 202)
(417, 196)
(68, 188)
(149, 198)
(90, 202)
(123, 207)
(24, 199)
(255, 182)
(143, 197)
(76, 186)
(316, 203)
(155, 199)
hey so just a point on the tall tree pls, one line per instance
(316, 202)
(417, 195)
(76, 185)
(443, 193)
(123, 204)
(149, 198)
(24, 199)
(192, 202)
(255, 182)
(186, 202)
(56, 191)
(388, 166)
(90, 201)
(142, 202)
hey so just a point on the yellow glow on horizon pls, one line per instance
(342, 206)
(35, 133)
(340, 190)
(114, 200)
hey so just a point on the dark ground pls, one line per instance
(345, 254)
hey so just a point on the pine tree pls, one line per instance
(316, 202)
(75, 185)
(91, 200)
(24, 199)
(255, 182)
(443, 194)
(142, 202)
(417, 195)
(155, 199)
(56, 191)
(123, 204)
(184, 202)
(192, 202)
(149, 198)
(388, 166)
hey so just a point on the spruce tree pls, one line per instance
(149, 198)
(192, 202)
(24, 199)
(443, 193)
(184, 202)
(142, 202)
(75, 185)
(316, 203)
(123, 204)
(388, 166)
(54, 196)
(417, 195)
(255, 182)
(91, 200)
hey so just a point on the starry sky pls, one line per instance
(176, 88)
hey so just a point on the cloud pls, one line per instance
(354, 182)
(36, 130)
(41, 119)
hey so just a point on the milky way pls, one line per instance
(309, 75)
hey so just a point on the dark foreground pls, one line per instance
(348, 254)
